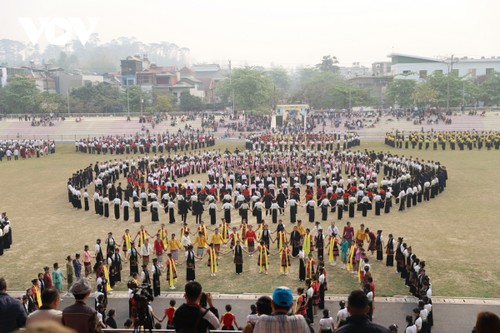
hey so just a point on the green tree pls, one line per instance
(252, 89)
(164, 103)
(325, 90)
(281, 84)
(189, 102)
(439, 82)
(137, 99)
(424, 95)
(20, 95)
(400, 92)
(51, 103)
(94, 98)
(328, 64)
(490, 90)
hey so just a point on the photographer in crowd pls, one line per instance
(190, 316)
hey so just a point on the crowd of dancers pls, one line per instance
(145, 143)
(276, 141)
(254, 184)
(25, 149)
(453, 140)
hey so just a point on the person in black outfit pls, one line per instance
(358, 321)
(191, 316)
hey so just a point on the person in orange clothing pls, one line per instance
(361, 235)
(217, 239)
(202, 243)
(174, 245)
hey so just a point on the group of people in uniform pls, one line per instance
(453, 140)
(412, 269)
(25, 149)
(5, 233)
(182, 140)
(278, 141)
(270, 183)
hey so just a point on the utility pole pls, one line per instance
(450, 70)
(231, 84)
(67, 100)
(128, 104)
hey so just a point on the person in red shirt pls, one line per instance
(228, 319)
(159, 248)
(47, 278)
(250, 237)
(169, 314)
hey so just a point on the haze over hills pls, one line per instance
(94, 57)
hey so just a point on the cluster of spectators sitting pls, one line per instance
(452, 139)
(45, 120)
(143, 143)
(251, 123)
(5, 233)
(25, 149)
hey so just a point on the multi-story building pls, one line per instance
(129, 68)
(418, 68)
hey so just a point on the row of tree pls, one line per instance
(440, 90)
(21, 95)
(258, 89)
(321, 86)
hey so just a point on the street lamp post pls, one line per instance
(67, 101)
(450, 70)
(128, 105)
(231, 84)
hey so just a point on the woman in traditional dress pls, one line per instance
(125, 206)
(389, 251)
(285, 259)
(190, 264)
(379, 243)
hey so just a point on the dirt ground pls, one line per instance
(456, 233)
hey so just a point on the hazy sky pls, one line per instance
(288, 33)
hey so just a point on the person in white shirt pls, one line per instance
(326, 324)
(333, 230)
(418, 319)
(342, 315)
(145, 251)
(410, 326)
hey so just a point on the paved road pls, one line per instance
(450, 315)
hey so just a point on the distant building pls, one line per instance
(65, 82)
(375, 85)
(209, 75)
(355, 70)
(381, 68)
(129, 68)
(418, 68)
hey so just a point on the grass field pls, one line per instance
(456, 233)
